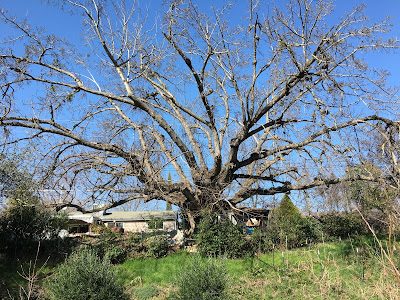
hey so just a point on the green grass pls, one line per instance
(298, 276)
(12, 271)
(157, 271)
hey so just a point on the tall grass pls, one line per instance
(298, 276)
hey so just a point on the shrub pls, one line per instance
(85, 276)
(298, 232)
(342, 225)
(109, 245)
(224, 238)
(25, 222)
(116, 255)
(310, 230)
(108, 237)
(146, 292)
(134, 243)
(157, 246)
(202, 279)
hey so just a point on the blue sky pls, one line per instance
(69, 26)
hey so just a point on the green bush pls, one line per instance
(109, 246)
(342, 225)
(297, 233)
(134, 243)
(116, 254)
(202, 279)
(310, 230)
(157, 246)
(220, 238)
(146, 292)
(25, 222)
(85, 276)
(108, 238)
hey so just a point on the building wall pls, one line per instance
(169, 225)
(142, 226)
(135, 226)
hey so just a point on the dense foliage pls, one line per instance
(202, 279)
(24, 219)
(342, 225)
(85, 276)
(220, 238)
(288, 228)
(27, 220)
(157, 246)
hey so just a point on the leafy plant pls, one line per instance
(342, 225)
(115, 255)
(203, 279)
(220, 238)
(157, 246)
(24, 220)
(85, 276)
(134, 243)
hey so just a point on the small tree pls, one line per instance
(85, 276)
(286, 210)
(288, 225)
(28, 220)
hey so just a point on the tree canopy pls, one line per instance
(265, 105)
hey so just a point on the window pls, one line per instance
(155, 224)
(119, 224)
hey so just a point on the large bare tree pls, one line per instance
(263, 105)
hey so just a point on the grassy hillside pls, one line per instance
(332, 270)
(338, 272)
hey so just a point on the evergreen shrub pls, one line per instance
(288, 226)
(342, 225)
(203, 279)
(157, 246)
(116, 254)
(220, 238)
(85, 276)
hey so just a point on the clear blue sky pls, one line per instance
(61, 23)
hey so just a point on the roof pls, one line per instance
(125, 216)
(88, 218)
(139, 215)
(251, 211)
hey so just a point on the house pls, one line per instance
(128, 221)
(250, 218)
(142, 221)
(81, 223)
